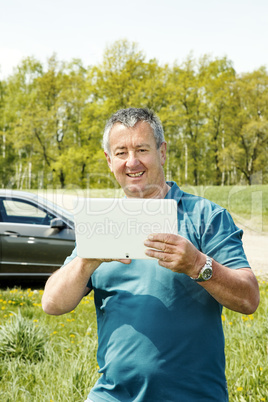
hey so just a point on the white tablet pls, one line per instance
(117, 228)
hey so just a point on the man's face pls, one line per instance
(135, 160)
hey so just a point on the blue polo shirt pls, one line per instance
(160, 333)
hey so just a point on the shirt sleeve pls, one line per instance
(69, 259)
(222, 240)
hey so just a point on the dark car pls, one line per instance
(35, 235)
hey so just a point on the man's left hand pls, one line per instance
(175, 253)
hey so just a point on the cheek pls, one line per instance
(152, 162)
(117, 167)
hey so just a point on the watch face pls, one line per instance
(207, 273)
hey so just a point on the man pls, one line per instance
(159, 320)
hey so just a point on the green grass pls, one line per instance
(246, 351)
(68, 367)
(22, 339)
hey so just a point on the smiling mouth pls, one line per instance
(139, 174)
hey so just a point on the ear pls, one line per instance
(108, 161)
(163, 152)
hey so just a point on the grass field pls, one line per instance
(53, 359)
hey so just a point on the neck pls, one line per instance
(152, 192)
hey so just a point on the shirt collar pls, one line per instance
(174, 192)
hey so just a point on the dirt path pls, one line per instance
(256, 248)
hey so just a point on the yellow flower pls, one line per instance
(35, 320)
(230, 323)
(239, 389)
(223, 318)
(72, 336)
(14, 291)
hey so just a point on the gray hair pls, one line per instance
(129, 117)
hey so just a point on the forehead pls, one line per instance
(140, 133)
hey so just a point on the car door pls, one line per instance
(29, 246)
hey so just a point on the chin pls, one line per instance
(134, 190)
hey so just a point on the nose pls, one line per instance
(132, 160)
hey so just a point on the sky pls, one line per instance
(168, 30)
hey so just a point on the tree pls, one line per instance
(188, 116)
(115, 80)
(19, 97)
(7, 153)
(218, 77)
(248, 129)
(52, 118)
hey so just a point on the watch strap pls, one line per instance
(206, 271)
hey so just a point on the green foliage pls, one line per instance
(246, 349)
(21, 339)
(68, 367)
(52, 118)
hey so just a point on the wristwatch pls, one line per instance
(206, 272)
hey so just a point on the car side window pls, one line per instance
(17, 211)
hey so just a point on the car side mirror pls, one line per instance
(57, 223)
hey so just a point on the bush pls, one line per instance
(21, 338)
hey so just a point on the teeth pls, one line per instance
(135, 174)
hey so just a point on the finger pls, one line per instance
(164, 247)
(159, 255)
(125, 261)
(167, 238)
